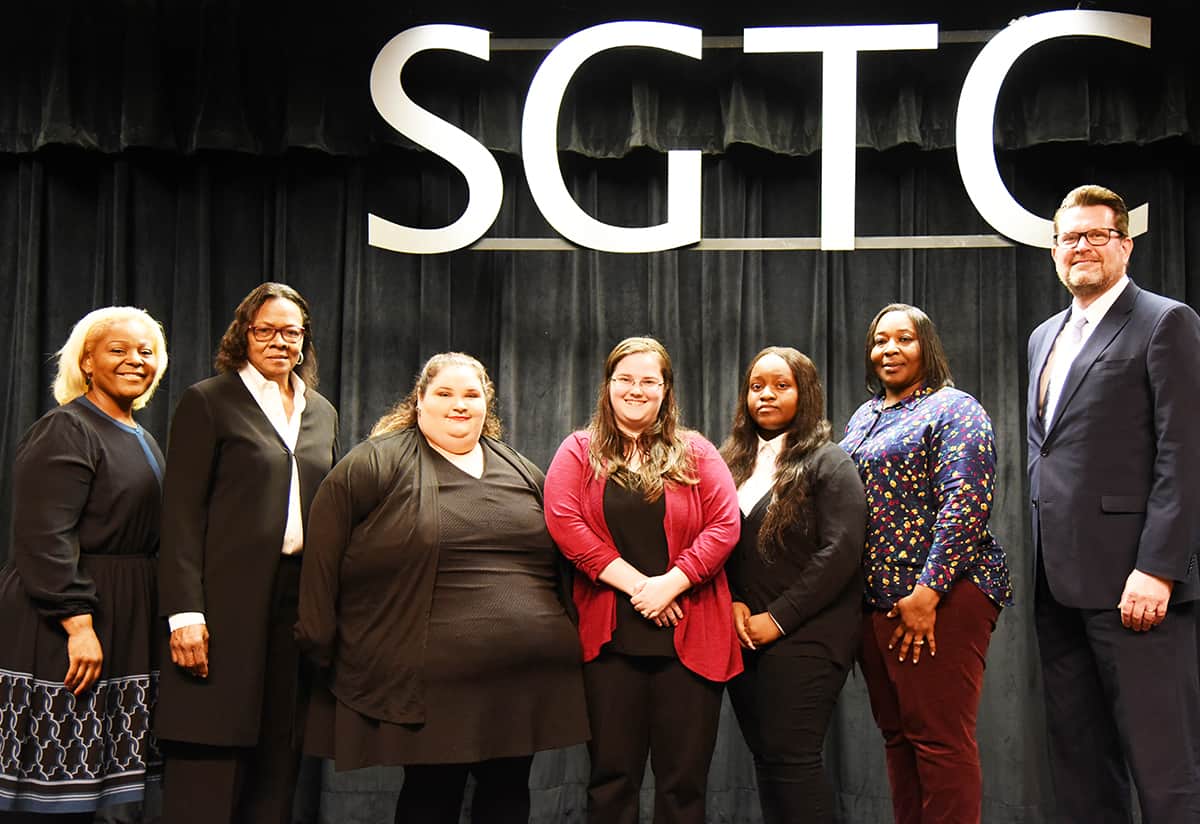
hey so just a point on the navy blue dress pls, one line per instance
(87, 501)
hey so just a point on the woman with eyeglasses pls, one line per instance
(647, 512)
(246, 453)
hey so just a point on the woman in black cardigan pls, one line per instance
(796, 579)
(432, 600)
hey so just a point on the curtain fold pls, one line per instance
(266, 77)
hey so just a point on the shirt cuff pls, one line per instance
(777, 624)
(184, 619)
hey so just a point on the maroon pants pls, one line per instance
(927, 711)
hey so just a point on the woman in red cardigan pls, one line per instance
(657, 657)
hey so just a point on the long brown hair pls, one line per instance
(404, 414)
(809, 429)
(234, 350)
(935, 366)
(662, 447)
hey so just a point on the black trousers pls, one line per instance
(1115, 696)
(639, 705)
(205, 784)
(783, 705)
(433, 793)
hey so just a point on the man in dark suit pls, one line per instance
(1114, 471)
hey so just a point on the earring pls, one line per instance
(87, 376)
(300, 359)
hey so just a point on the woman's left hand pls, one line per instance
(671, 616)
(657, 593)
(762, 629)
(917, 612)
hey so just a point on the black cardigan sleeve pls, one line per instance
(349, 493)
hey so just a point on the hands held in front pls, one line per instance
(655, 597)
(84, 655)
(754, 631)
(1145, 599)
(917, 612)
(189, 649)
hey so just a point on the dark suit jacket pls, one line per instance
(1115, 482)
(225, 498)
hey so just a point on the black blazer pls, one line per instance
(1113, 483)
(225, 498)
(814, 587)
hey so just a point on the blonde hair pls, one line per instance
(404, 414)
(70, 382)
(665, 456)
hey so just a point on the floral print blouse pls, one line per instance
(928, 464)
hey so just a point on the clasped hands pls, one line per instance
(754, 631)
(655, 597)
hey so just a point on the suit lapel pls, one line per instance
(1114, 321)
(1040, 356)
(241, 393)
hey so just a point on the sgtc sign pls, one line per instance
(839, 47)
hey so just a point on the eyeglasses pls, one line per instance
(1095, 237)
(626, 382)
(291, 334)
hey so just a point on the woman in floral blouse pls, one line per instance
(935, 577)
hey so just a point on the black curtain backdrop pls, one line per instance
(174, 155)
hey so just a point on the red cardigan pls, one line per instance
(702, 524)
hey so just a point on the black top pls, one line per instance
(83, 483)
(636, 526)
(371, 566)
(813, 585)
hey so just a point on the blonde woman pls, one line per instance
(78, 663)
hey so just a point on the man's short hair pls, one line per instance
(1093, 195)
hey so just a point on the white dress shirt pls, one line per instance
(762, 480)
(1066, 348)
(267, 395)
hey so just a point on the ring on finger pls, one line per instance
(919, 642)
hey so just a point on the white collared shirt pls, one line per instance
(1099, 307)
(267, 395)
(270, 399)
(761, 482)
(762, 479)
(1066, 350)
